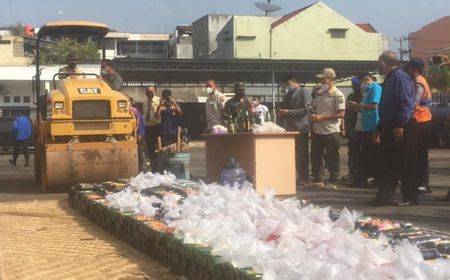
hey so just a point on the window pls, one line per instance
(338, 33)
(125, 48)
(7, 99)
(26, 99)
(143, 47)
(158, 47)
(16, 99)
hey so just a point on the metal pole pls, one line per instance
(273, 95)
(37, 82)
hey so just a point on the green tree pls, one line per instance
(57, 53)
(438, 77)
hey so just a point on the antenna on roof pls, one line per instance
(266, 7)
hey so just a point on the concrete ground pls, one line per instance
(29, 217)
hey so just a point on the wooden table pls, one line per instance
(267, 157)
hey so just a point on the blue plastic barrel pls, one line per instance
(179, 164)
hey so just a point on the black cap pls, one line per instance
(415, 62)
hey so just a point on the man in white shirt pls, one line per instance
(214, 105)
(261, 111)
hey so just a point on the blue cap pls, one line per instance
(355, 81)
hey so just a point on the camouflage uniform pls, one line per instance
(236, 109)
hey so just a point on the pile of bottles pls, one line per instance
(243, 122)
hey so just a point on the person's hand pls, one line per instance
(342, 133)
(317, 118)
(139, 138)
(398, 134)
(353, 106)
(376, 137)
(282, 112)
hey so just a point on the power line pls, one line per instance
(403, 51)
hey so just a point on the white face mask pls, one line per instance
(324, 87)
(255, 103)
(209, 90)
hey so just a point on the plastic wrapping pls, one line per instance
(280, 238)
(267, 127)
(219, 129)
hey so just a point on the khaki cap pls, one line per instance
(327, 73)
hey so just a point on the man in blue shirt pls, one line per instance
(21, 134)
(366, 123)
(396, 107)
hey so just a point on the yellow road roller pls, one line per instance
(84, 131)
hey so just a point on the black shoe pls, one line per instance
(13, 163)
(406, 203)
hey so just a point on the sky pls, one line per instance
(394, 18)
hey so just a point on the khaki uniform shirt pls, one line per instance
(214, 109)
(67, 70)
(328, 103)
(150, 108)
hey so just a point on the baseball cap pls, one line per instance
(327, 73)
(355, 81)
(415, 63)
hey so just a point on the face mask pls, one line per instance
(103, 72)
(364, 87)
(209, 90)
(324, 87)
(288, 88)
(255, 103)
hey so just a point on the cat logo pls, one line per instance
(89, 91)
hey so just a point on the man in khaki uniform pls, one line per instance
(71, 68)
(152, 124)
(214, 105)
(328, 108)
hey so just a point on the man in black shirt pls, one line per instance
(294, 115)
(110, 76)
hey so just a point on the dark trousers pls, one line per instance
(151, 138)
(302, 157)
(331, 143)
(399, 161)
(390, 166)
(424, 137)
(354, 147)
(21, 145)
(367, 158)
(409, 172)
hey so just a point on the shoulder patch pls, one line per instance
(340, 99)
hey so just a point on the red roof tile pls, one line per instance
(366, 27)
(285, 18)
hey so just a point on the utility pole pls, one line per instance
(403, 51)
